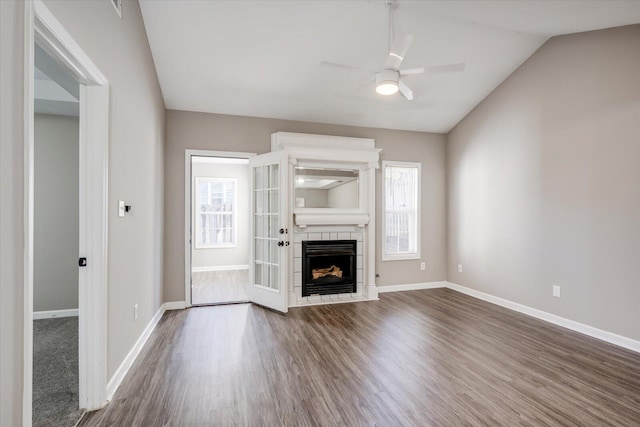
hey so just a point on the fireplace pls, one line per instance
(328, 267)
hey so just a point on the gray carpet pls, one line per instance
(55, 372)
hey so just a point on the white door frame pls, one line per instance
(187, 208)
(43, 28)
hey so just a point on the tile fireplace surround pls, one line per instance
(300, 235)
(331, 152)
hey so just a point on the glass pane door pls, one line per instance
(270, 233)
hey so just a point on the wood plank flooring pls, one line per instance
(419, 358)
(215, 287)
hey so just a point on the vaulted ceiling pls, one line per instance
(264, 58)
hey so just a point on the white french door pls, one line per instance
(269, 231)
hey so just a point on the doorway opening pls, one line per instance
(53, 58)
(56, 244)
(219, 241)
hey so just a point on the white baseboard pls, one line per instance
(175, 305)
(411, 287)
(51, 314)
(609, 337)
(219, 268)
(126, 364)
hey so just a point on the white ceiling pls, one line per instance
(262, 58)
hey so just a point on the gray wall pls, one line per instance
(12, 243)
(119, 47)
(187, 130)
(55, 239)
(238, 255)
(544, 183)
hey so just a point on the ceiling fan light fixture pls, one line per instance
(387, 88)
(387, 82)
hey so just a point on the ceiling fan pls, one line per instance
(389, 80)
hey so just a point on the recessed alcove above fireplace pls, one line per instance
(332, 201)
(326, 188)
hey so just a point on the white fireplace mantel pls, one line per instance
(336, 149)
(303, 220)
(327, 151)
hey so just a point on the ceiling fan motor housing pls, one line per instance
(387, 82)
(387, 76)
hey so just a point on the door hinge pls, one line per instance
(82, 262)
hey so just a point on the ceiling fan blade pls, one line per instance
(449, 68)
(343, 66)
(398, 51)
(405, 91)
(411, 71)
(364, 83)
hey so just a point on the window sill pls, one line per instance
(215, 247)
(407, 257)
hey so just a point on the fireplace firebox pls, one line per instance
(328, 267)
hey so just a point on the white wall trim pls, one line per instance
(28, 232)
(131, 357)
(219, 268)
(52, 314)
(43, 28)
(175, 305)
(373, 291)
(411, 287)
(591, 331)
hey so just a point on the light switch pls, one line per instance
(120, 207)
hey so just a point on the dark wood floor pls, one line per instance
(421, 358)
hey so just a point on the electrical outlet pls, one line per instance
(423, 266)
(556, 291)
(459, 268)
(135, 312)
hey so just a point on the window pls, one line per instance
(401, 211)
(215, 212)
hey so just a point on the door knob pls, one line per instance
(280, 243)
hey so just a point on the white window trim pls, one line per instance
(196, 245)
(408, 256)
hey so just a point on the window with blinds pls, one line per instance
(215, 212)
(401, 222)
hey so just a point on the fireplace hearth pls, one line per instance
(328, 267)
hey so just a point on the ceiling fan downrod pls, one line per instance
(391, 4)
